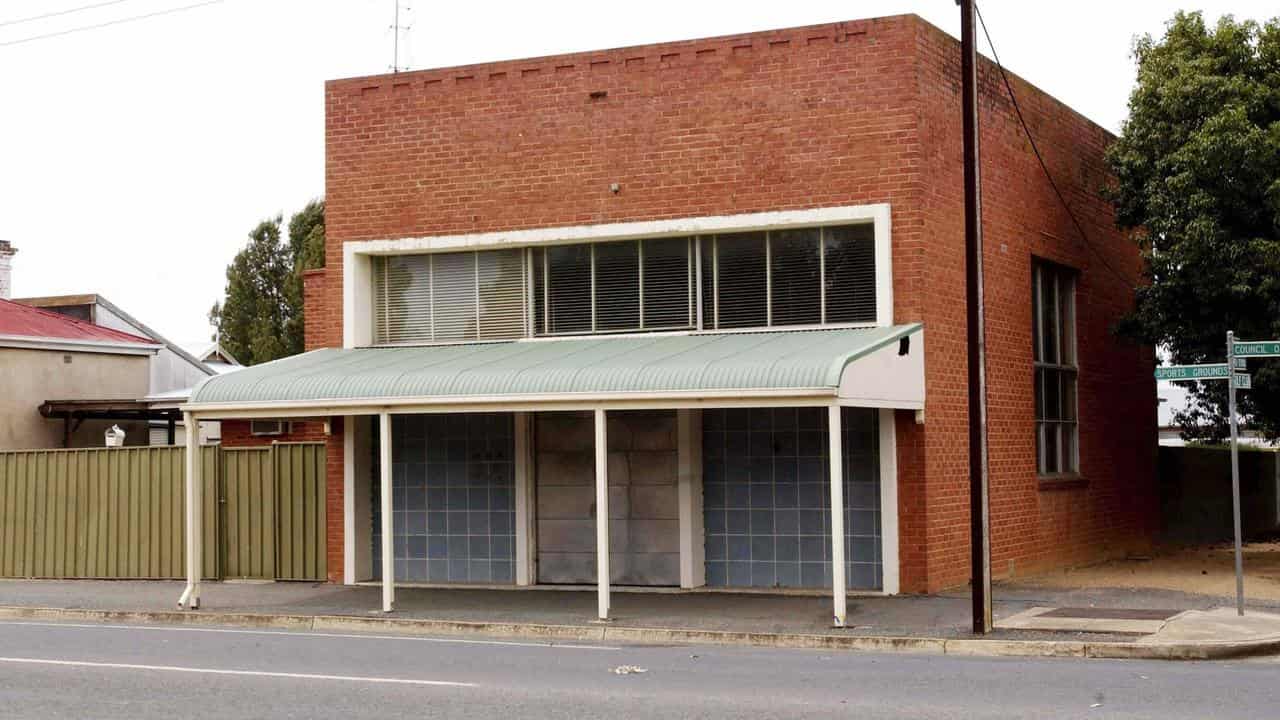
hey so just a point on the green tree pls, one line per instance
(1198, 185)
(261, 315)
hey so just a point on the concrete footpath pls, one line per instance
(1030, 621)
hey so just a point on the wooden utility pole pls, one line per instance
(979, 517)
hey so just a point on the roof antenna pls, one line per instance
(396, 29)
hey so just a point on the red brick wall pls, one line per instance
(235, 433)
(1034, 526)
(841, 114)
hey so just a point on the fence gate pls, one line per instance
(118, 512)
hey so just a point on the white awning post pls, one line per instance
(193, 496)
(836, 452)
(384, 497)
(602, 514)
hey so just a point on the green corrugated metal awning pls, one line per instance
(749, 364)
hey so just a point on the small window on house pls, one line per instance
(268, 427)
(1054, 330)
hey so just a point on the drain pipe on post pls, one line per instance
(190, 599)
(384, 498)
(602, 515)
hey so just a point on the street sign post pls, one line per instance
(1235, 471)
(1232, 370)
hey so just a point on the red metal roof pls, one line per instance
(24, 321)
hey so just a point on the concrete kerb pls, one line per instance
(665, 636)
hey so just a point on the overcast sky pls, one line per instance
(135, 158)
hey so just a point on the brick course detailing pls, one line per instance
(842, 114)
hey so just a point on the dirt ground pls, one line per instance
(1203, 570)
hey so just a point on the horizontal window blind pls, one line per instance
(849, 267)
(806, 276)
(449, 297)
(624, 286)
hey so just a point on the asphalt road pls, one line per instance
(54, 670)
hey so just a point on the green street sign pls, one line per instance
(1194, 372)
(1262, 348)
(1242, 381)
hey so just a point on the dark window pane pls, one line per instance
(795, 263)
(666, 284)
(741, 280)
(850, 273)
(569, 289)
(617, 286)
(1036, 329)
(1051, 448)
(1053, 395)
(1048, 317)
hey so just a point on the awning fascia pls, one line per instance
(814, 397)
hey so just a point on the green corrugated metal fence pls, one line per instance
(118, 513)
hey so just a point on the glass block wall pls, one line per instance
(453, 502)
(766, 498)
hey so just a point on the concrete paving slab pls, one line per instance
(1049, 619)
(1220, 625)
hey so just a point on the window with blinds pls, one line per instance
(795, 277)
(802, 277)
(610, 287)
(449, 297)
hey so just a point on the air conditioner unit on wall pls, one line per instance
(268, 427)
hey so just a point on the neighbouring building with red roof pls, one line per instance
(46, 355)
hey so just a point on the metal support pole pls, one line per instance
(836, 452)
(1235, 467)
(980, 531)
(384, 497)
(193, 497)
(602, 514)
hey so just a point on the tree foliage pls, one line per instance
(261, 315)
(1198, 184)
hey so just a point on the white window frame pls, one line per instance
(357, 270)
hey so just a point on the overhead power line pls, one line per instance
(109, 23)
(59, 13)
(1043, 166)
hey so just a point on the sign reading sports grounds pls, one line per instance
(1193, 372)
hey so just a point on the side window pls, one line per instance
(1053, 323)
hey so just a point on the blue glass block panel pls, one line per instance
(761, 495)
(716, 547)
(762, 547)
(717, 574)
(713, 521)
(762, 522)
(437, 523)
(501, 548)
(458, 569)
(788, 574)
(739, 574)
(478, 522)
(762, 574)
(811, 574)
(479, 546)
(739, 547)
(739, 521)
(503, 572)
(417, 547)
(438, 570)
(437, 547)
(480, 571)
(786, 549)
(737, 495)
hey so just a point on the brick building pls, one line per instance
(527, 257)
